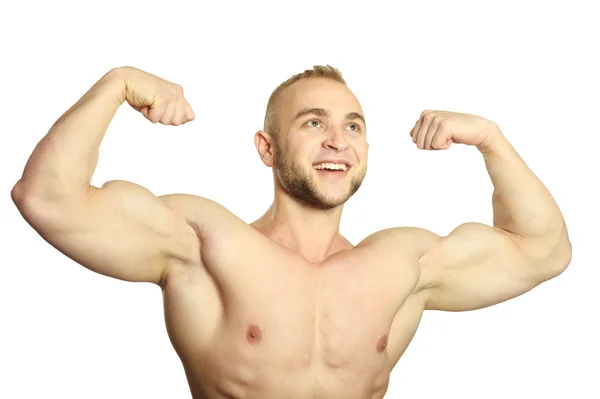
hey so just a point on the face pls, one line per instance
(320, 128)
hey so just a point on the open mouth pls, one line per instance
(332, 168)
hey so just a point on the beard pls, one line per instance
(302, 186)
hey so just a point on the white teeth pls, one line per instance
(331, 166)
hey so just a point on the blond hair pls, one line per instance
(318, 71)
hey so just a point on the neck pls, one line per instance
(314, 233)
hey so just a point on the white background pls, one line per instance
(531, 67)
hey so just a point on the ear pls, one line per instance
(263, 142)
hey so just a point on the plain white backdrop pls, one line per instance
(531, 67)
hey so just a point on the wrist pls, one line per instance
(116, 81)
(494, 140)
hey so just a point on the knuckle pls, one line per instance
(426, 112)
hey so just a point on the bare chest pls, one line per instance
(331, 316)
(271, 314)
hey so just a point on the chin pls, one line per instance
(334, 198)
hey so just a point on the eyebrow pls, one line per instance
(324, 113)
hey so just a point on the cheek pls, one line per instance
(361, 149)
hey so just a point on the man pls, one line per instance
(286, 307)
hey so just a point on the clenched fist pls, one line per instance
(157, 99)
(436, 130)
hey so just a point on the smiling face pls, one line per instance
(320, 127)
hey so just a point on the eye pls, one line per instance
(356, 127)
(311, 121)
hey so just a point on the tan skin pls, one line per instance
(286, 307)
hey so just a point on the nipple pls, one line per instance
(382, 343)
(253, 334)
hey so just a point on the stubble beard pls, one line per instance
(301, 186)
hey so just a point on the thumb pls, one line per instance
(153, 114)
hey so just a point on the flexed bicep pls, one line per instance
(120, 230)
(477, 266)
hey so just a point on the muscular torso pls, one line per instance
(253, 319)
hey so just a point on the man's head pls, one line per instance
(313, 121)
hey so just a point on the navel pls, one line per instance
(382, 343)
(253, 334)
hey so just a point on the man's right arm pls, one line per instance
(121, 229)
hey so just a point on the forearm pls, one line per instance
(522, 204)
(63, 162)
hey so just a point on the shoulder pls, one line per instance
(402, 238)
(221, 237)
(203, 214)
(215, 225)
(407, 245)
(187, 202)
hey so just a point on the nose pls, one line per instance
(336, 141)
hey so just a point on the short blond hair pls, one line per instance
(318, 71)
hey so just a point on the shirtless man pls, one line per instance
(286, 307)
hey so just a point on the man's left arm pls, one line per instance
(477, 265)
